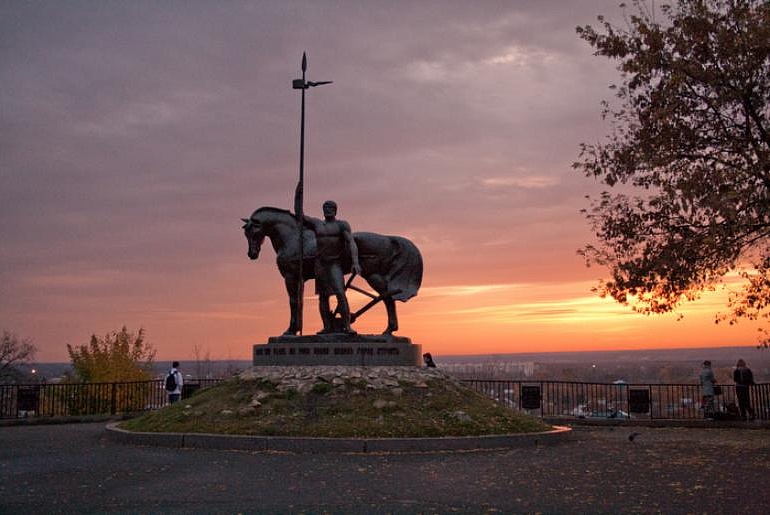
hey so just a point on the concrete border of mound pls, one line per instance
(337, 445)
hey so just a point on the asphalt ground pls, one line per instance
(74, 468)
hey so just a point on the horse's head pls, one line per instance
(255, 235)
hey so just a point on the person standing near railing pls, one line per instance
(707, 384)
(174, 383)
(743, 380)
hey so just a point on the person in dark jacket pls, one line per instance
(743, 380)
(175, 394)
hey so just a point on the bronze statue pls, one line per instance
(391, 265)
(334, 242)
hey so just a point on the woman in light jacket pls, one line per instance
(707, 384)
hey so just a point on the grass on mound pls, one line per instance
(241, 407)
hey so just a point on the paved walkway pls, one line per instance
(74, 469)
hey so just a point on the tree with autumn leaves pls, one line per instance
(687, 159)
(118, 356)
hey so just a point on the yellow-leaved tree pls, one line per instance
(116, 357)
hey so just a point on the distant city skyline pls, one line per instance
(136, 135)
(635, 366)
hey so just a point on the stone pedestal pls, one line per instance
(338, 349)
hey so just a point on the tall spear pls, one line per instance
(299, 194)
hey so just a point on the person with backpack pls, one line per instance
(743, 380)
(174, 383)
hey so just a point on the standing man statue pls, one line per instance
(333, 240)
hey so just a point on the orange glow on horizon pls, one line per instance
(445, 319)
(563, 317)
(506, 318)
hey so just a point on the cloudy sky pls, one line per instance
(135, 135)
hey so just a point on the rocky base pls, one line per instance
(339, 402)
(303, 378)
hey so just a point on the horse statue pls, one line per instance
(391, 265)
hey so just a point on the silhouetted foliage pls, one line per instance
(14, 351)
(688, 156)
(118, 356)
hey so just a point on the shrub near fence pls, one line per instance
(75, 399)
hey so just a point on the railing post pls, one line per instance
(649, 386)
(627, 388)
(542, 401)
(113, 396)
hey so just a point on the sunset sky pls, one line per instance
(135, 135)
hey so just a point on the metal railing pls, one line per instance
(611, 400)
(77, 399)
(540, 398)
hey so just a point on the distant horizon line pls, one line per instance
(650, 349)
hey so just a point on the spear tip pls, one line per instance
(304, 61)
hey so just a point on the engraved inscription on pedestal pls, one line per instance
(358, 350)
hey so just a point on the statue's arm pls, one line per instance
(352, 245)
(309, 222)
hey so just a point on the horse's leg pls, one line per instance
(379, 284)
(291, 289)
(390, 306)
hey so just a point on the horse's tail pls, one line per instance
(406, 270)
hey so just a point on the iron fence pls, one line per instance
(543, 398)
(611, 400)
(75, 399)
